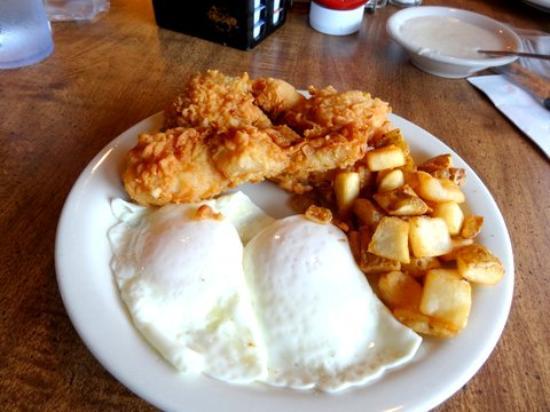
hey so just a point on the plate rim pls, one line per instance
(428, 402)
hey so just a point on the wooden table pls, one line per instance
(105, 76)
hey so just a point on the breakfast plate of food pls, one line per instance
(271, 249)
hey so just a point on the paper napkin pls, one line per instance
(519, 106)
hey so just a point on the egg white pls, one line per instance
(322, 325)
(183, 284)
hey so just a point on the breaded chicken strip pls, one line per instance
(184, 165)
(314, 157)
(233, 130)
(275, 96)
(327, 110)
(336, 128)
(212, 99)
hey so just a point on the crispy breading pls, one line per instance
(224, 131)
(172, 167)
(327, 109)
(185, 165)
(212, 99)
(275, 96)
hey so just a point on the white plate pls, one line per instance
(439, 369)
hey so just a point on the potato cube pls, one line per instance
(391, 180)
(410, 165)
(429, 236)
(367, 212)
(477, 264)
(471, 226)
(423, 324)
(346, 187)
(457, 242)
(394, 137)
(369, 263)
(411, 179)
(397, 289)
(446, 296)
(402, 201)
(390, 240)
(454, 174)
(318, 214)
(386, 157)
(418, 266)
(438, 190)
(452, 214)
(440, 162)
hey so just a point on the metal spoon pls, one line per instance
(515, 53)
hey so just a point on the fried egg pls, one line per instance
(182, 281)
(322, 325)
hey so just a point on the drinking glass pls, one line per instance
(25, 33)
(67, 10)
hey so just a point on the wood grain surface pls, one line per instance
(107, 75)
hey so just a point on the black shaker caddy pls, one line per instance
(237, 23)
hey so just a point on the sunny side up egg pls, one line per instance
(183, 284)
(322, 325)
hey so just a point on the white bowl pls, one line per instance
(447, 65)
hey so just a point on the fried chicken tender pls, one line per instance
(327, 109)
(314, 156)
(185, 165)
(336, 129)
(224, 131)
(275, 96)
(212, 99)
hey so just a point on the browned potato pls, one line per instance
(318, 214)
(369, 263)
(367, 212)
(391, 180)
(454, 174)
(402, 201)
(390, 240)
(386, 157)
(411, 179)
(346, 187)
(366, 177)
(438, 190)
(417, 267)
(397, 289)
(471, 226)
(451, 213)
(477, 264)
(457, 242)
(355, 244)
(423, 324)
(446, 296)
(394, 137)
(410, 165)
(440, 162)
(429, 236)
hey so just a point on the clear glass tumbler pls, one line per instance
(67, 10)
(25, 33)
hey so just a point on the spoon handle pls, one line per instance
(534, 84)
(516, 53)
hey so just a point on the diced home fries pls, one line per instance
(406, 228)
(386, 157)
